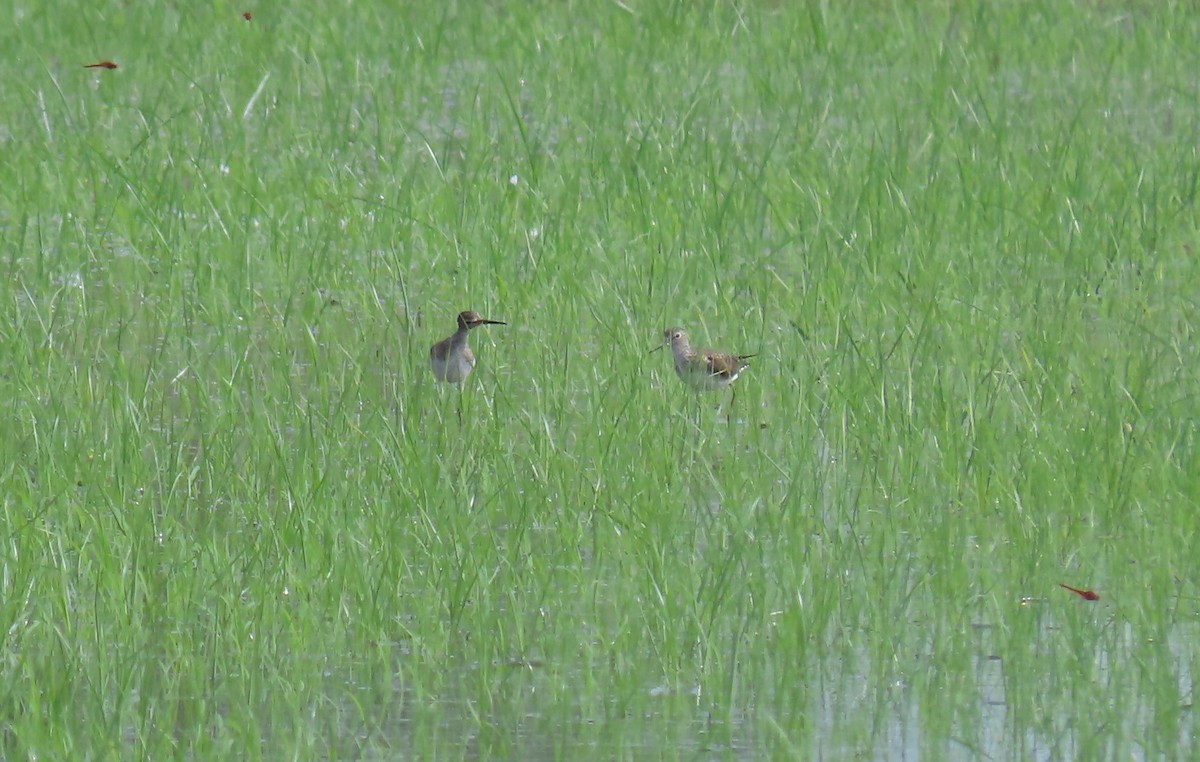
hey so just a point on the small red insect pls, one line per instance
(101, 65)
(247, 15)
(1087, 595)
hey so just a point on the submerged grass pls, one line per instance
(240, 519)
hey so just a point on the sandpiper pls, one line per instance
(702, 369)
(452, 358)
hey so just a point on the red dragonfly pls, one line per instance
(101, 65)
(247, 15)
(1087, 595)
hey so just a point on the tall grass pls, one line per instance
(239, 518)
